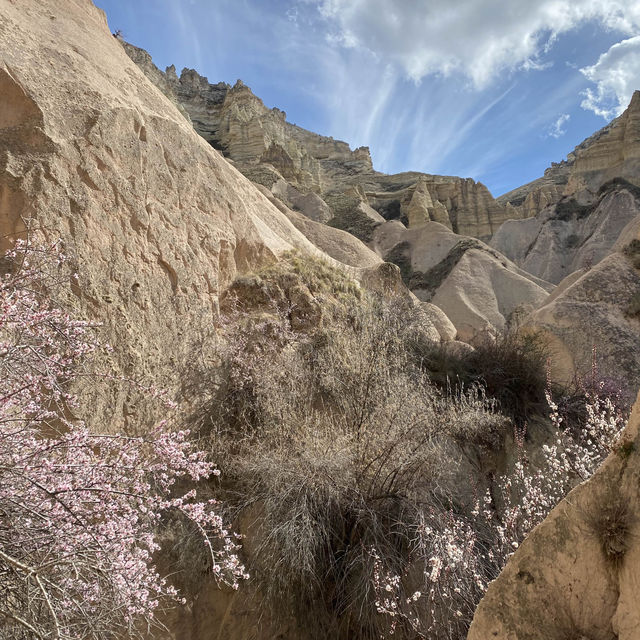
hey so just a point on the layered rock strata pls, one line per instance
(268, 149)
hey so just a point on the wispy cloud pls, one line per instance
(616, 76)
(557, 130)
(476, 39)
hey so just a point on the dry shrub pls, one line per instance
(611, 524)
(512, 369)
(346, 452)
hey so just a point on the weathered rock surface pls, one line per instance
(576, 575)
(237, 122)
(477, 288)
(157, 221)
(597, 308)
(570, 235)
(611, 152)
(531, 198)
(265, 147)
(465, 206)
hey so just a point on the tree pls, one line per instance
(80, 511)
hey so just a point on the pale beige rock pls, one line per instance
(480, 294)
(440, 321)
(156, 220)
(559, 583)
(422, 208)
(596, 310)
(477, 288)
(570, 235)
(235, 121)
(338, 244)
(531, 198)
(309, 204)
(613, 152)
(463, 205)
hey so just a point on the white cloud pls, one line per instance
(617, 76)
(557, 130)
(479, 39)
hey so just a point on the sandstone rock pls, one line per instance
(477, 288)
(463, 205)
(422, 208)
(530, 199)
(613, 152)
(560, 583)
(156, 220)
(571, 234)
(336, 243)
(440, 321)
(352, 212)
(235, 121)
(309, 204)
(596, 310)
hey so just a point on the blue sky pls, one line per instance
(490, 89)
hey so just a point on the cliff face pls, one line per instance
(614, 152)
(157, 222)
(237, 122)
(570, 235)
(268, 150)
(611, 152)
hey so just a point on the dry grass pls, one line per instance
(611, 524)
(335, 443)
(511, 369)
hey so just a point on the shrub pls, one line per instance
(512, 370)
(335, 442)
(366, 483)
(611, 524)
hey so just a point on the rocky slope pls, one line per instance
(477, 287)
(295, 163)
(573, 224)
(572, 234)
(157, 221)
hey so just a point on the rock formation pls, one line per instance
(576, 575)
(610, 145)
(598, 308)
(157, 221)
(269, 150)
(571, 234)
(478, 288)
